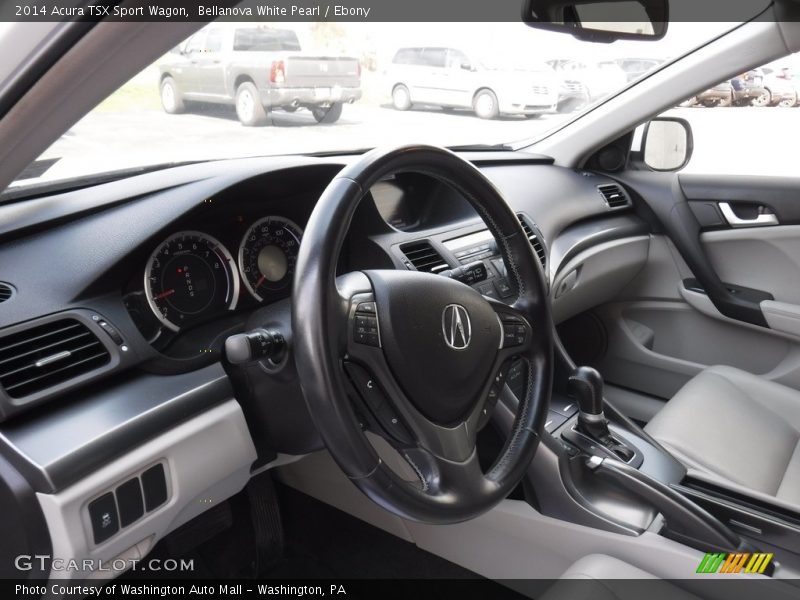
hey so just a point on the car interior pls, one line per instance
(539, 362)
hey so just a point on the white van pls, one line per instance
(449, 78)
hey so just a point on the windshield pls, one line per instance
(234, 90)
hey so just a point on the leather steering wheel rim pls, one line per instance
(451, 486)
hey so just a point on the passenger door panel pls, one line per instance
(663, 330)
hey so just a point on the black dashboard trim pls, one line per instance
(26, 534)
(664, 194)
(54, 449)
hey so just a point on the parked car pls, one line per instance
(449, 78)
(783, 88)
(720, 95)
(748, 89)
(257, 69)
(572, 95)
(636, 67)
(598, 78)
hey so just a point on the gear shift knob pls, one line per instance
(586, 386)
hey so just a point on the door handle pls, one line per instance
(762, 220)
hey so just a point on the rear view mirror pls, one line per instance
(667, 144)
(600, 20)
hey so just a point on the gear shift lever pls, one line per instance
(586, 386)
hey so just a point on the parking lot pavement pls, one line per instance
(726, 140)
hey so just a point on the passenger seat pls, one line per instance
(737, 426)
(601, 577)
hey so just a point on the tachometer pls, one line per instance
(189, 277)
(268, 254)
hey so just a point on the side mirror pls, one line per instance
(467, 66)
(600, 20)
(667, 144)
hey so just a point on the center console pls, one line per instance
(612, 475)
(597, 468)
(768, 524)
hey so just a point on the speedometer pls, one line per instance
(268, 254)
(189, 277)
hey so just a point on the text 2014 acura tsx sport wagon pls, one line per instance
(553, 358)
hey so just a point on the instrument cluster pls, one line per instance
(191, 276)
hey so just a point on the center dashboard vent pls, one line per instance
(424, 257)
(614, 196)
(533, 238)
(45, 355)
(6, 291)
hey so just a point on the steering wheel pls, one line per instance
(427, 353)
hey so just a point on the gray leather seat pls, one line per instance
(738, 427)
(601, 577)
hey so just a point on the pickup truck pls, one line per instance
(257, 69)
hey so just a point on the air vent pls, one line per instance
(424, 257)
(533, 238)
(6, 291)
(613, 195)
(46, 355)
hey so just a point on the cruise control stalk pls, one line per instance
(259, 344)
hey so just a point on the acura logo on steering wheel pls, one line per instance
(456, 326)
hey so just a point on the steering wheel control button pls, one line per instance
(513, 332)
(365, 325)
(373, 396)
(494, 394)
(129, 501)
(509, 335)
(103, 516)
(154, 484)
(366, 307)
(390, 421)
(366, 386)
(491, 401)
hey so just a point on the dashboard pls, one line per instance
(123, 294)
(169, 264)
